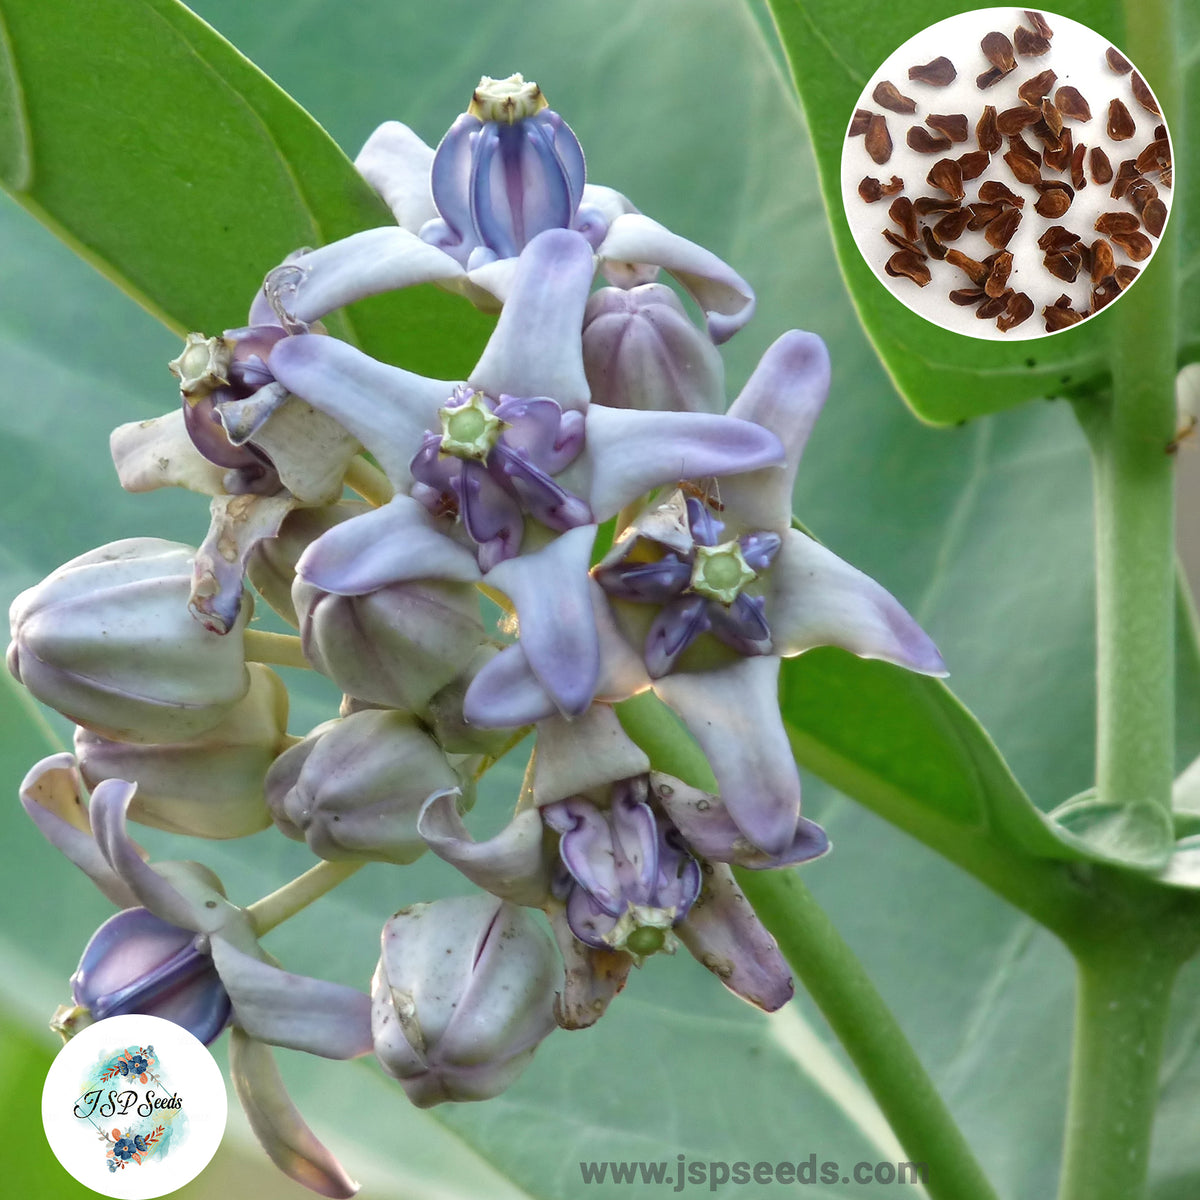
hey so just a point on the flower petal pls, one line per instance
(733, 713)
(296, 1011)
(277, 1124)
(387, 409)
(311, 285)
(397, 163)
(592, 976)
(159, 453)
(552, 594)
(785, 395)
(727, 299)
(393, 544)
(536, 347)
(575, 756)
(819, 600)
(51, 793)
(510, 865)
(505, 693)
(723, 934)
(630, 452)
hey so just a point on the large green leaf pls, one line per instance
(984, 532)
(945, 377)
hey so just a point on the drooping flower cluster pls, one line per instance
(589, 410)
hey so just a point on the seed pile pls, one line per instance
(1040, 147)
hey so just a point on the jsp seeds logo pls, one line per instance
(134, 1107)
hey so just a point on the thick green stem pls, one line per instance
(280, 649)
(297, 895)
(865, 1026)
(1122, 999)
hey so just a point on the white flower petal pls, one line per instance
(397, 164)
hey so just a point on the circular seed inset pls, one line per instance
(1007, 173)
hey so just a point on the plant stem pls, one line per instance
(280, 649)
(368, 481)
(1122, 1000)
(865, 1026)
(297, 895)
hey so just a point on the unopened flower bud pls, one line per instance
(108, 641)
(463, 994)
(640, 350)
(353, 789)
(397, 646)
(211, 785)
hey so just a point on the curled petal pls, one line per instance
(310, 450)
(535, 349)
(543, 498)
(295, 1011)
(511, 865)
(491, 517)
(159, 453)
(552, 594)
(242, 419)
(820, 600)
(726, 298)
(589, 751)
(724, 934)
(450, 189)
(397, 163)
(385, 408)
(648, 582)
(785, 395)
(674, 629)
(51, 793)
(742, 625)
(590, 921)
(630, 452)
(593, 975)
(734, 714)
(505, 693)
(277, 1124)
(587, 852)
(393, 544)
(539, 430)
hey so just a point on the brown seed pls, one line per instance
(1070, 102)
(1000, 230)
(1019, 308)
(997, 280)
(1053, 203)
(1046, 135)
(965, 296)
(983, 215)
(1127, 172)
(976, 272)
(995, 192)
(953, 225)
(973, 164)
(1154, 157)
(1013, 120)
(998, 50)
(989, 77)
(1154, 217)
(1057, 237)
(1141, 192)
(888, 95)
(901, 211)
(1052, 117)
(1063, 264)
(878, 141)
(1022, 168)
(938, 73)
(902, 243)
(1078, 178)
(1143, 95)
(1039, 23)
(896, 185)
(859, 122)
(1102, 170)
(1125, 275)
(933, 244)
(1030, 44)
(923, 142)
(1111, 223)
(993, 306)
(1058, 317)
(951, 125)
(1058, 157)
(1034, 88)
(1020, 146)
(1105, 292)
(1117, 61)
(1137, 245)
(946, 176)
(986, 133)
(1121, 126)
(1102, 260)
(1085, 257)
(870, 189)
(924, 205)
(904, 264)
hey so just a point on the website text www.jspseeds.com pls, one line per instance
(694, 1173)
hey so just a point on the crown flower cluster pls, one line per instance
(588, 478)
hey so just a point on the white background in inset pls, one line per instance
(1076, 56)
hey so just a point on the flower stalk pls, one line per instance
(285, 902)
(278, 649)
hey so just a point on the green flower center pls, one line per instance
(645, 941)
(720, 572)
(470, 430)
